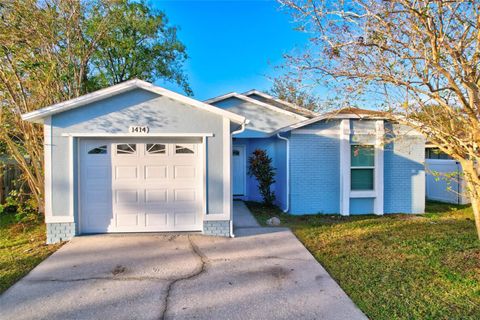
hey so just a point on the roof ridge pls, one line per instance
(286, 103)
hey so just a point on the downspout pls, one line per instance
(287, 141)
(242, 128)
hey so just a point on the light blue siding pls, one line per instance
(314, 174)
(315, 170)
(361, 206)
(276, 149)
(404, 189)
(115, 115)
(262, 120)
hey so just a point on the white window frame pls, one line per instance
(359, 191)
(346, 194)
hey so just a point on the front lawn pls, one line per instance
(397, 266)
(22, 247)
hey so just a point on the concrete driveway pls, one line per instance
(264, 273)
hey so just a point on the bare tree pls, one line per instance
(418, 60)
(289, 90)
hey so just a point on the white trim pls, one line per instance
(136, 135)
(216, 217)
(227, 177)
(227, 172)
(78, 173)
(220, 98)
(325, 132)
(71, 177)
(47, 159)
(267, 96)
(204, 191)
(59, 219)
(328, 116)
(38, 115)
(363, 194)
(256, 102)
(287, 160)
(227, 169)
(379, 166)
(345, 167)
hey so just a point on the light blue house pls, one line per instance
(136, 157)
(350, 161)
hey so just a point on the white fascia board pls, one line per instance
(135, 135)
(271, 107)
(59, 219)
(326, 117)
(267, 96)
(192, 102)
(39, 115)
(255, 102)
(220, 98)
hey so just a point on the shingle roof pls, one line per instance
(266, 98)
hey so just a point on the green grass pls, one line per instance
(22, 247)
(397, 266)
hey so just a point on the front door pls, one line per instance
(239, 164)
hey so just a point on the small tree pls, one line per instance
(260, 167)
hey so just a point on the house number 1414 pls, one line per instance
(138, 129)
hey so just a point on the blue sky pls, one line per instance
(232, 45)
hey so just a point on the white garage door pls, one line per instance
(140, 185)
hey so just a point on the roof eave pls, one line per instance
(37, 116)
(326, 117)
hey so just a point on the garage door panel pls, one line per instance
(127, 219)
(184, 172)
(154, 172)
(185, 195)
(148, 186)
(187, 218)
(155, 196)
(126, 196)
(156, 219)
(126, 172)
(97, 221)
(97, 197)
(97, 172)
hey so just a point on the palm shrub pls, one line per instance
(260, 167)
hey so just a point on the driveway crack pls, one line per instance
(200, 269)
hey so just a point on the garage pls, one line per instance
(136, 157)
(140, 185)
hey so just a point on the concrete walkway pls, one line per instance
(263, 273)
(242, 217)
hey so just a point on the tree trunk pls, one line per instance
(473, 184)
(476, 214)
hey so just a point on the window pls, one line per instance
(184, 149)
(435, 153)
(156, 148)
(362, 162)
(98, 150)
(236, 153)
(126, 148)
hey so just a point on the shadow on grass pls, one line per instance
(433, 210)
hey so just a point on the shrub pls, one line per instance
(260, 167)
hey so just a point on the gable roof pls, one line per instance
(344, 113)
(263, 97)
(255, 102)
(40, 114)
(264, 119)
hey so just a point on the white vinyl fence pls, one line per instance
(444, 181)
